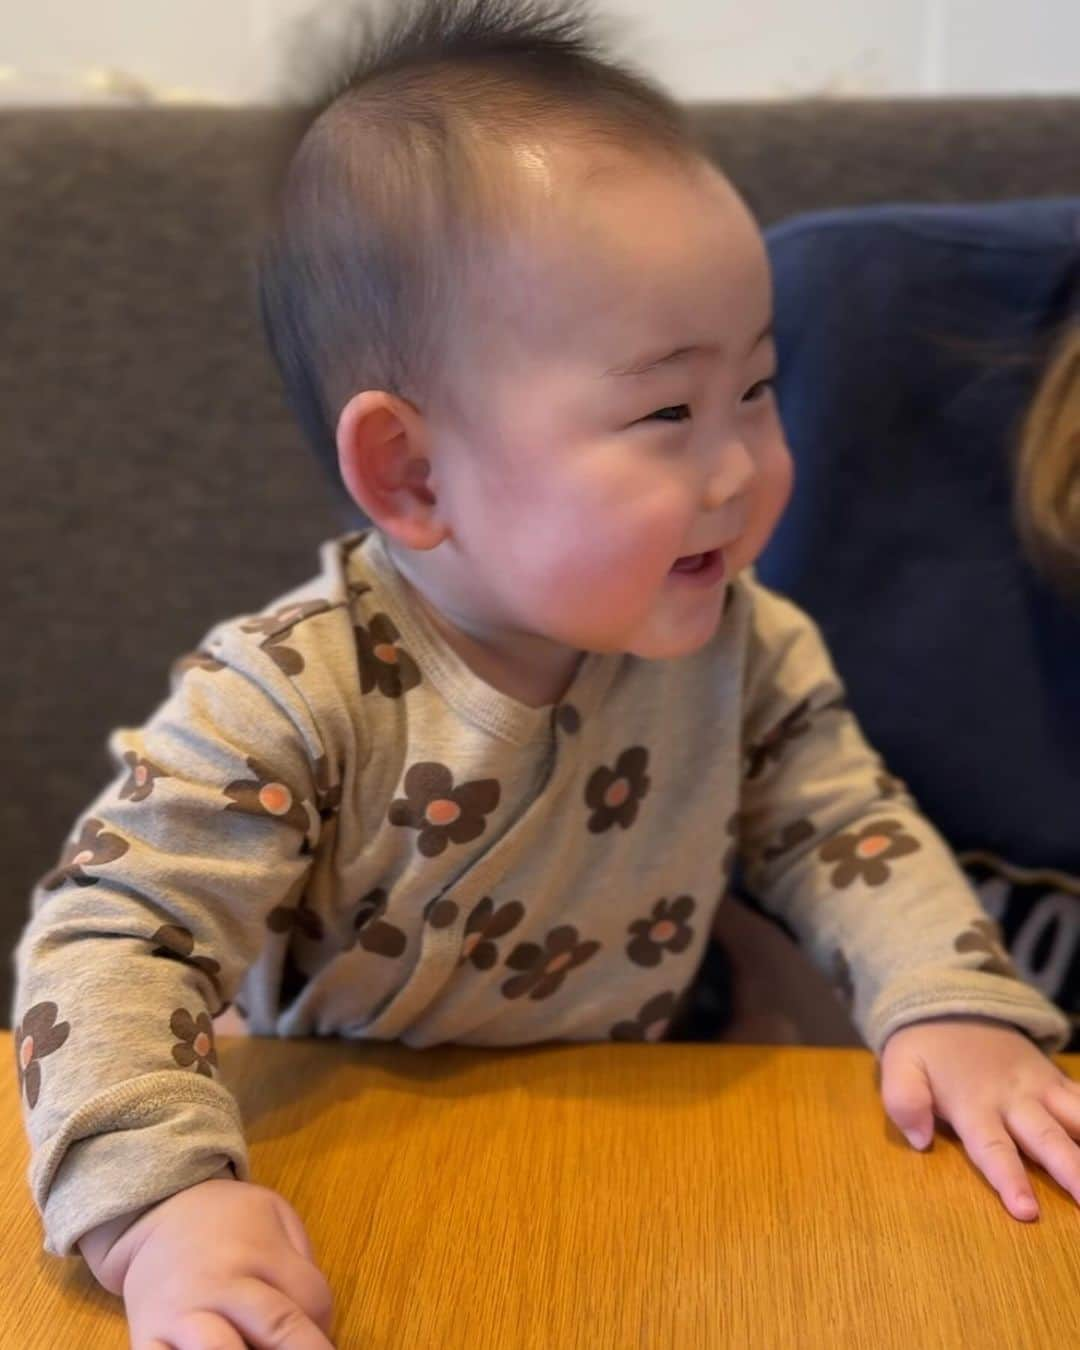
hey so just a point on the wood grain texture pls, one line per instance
(609, 1197)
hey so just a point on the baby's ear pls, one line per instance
(383, 457)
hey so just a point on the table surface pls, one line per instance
(654, 1197)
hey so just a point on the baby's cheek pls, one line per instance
(771, 496)
(589, 589)
(593, 553)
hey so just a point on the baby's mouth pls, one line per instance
(695, 562)
(700, 569)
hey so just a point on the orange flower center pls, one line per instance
(617, 793)
(275, 798)
(558, 963)
(26, 1051)
(442, 812)
(86, 856)
(872, 847)
(387, 653)
(201, 1045)
(140, 774)
(663, 931)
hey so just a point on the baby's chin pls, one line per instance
(667, 643)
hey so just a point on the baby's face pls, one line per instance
(618, 455)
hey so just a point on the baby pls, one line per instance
(484, 779)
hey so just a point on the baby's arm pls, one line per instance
(838, 849)
(141, 934)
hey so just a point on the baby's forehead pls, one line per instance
(606, 244)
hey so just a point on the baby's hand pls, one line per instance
(224, 1264)
(994, 1087)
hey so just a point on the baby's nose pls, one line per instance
(734, 472)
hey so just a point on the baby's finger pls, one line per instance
(1062, 1100)
(293, 1228)
(994, 1154)
(269, 1319)
(303, 1283)
(197, 1330)
(907, 1099)
(1045, 1142)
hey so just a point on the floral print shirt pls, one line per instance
(334, 824)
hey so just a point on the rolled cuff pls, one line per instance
(130, 1147)
(916, 998)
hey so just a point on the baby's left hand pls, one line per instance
(994, 1087)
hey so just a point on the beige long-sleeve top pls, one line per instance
(334, 822)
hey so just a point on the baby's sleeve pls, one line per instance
(836, 847)
(143, 932)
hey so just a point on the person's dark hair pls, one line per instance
(388, 178)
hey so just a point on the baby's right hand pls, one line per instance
(224, 1264)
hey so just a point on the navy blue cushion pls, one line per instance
(910, 341)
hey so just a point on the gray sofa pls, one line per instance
(154, 481)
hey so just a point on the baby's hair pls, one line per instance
(1047, 495)
(391, 175)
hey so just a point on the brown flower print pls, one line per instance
(195, 1038)
(371, 930)
(667, 930)
(327, 807)
(866, 854)
(179, 943)
(614, 794)
(94, 846)
(790, 727)
(544, 968)
(280, 622)
(264, 795)
(279, 626)
(791, 836)
(296, 918)
(651, 1021)
(193, 661)
(384, 665)
(984, 935)
(441, 912)
(39, 1034)
(840, 975)
(140, 780)
(484, 926)
(327, 794)
(442, 813)
(568, 718)
(889, 786)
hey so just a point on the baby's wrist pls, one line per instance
(107, 1256)
(97, 1245)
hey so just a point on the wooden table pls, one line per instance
(624, 1197)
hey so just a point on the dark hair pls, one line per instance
(388, 178)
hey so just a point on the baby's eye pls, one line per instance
(677, 412)
(758, 391)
